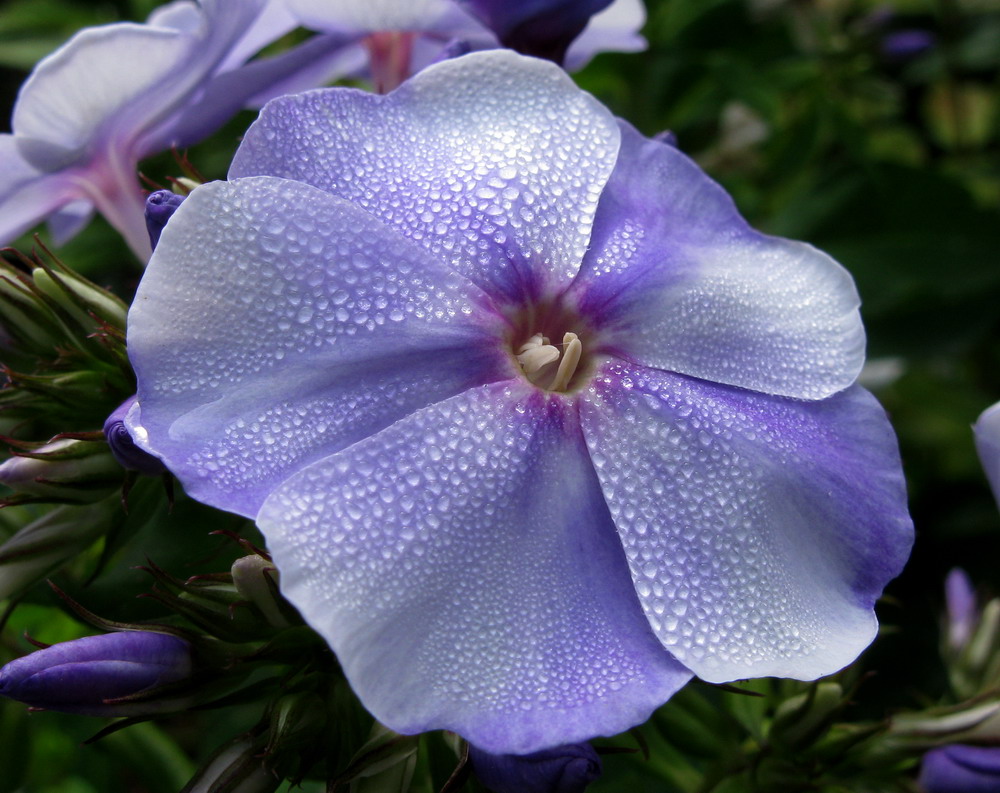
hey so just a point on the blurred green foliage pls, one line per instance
(821, 131)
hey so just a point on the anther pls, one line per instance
(570, 360)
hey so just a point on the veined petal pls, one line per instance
(987, 434)
(492, 161)
(463, 566)
(680, 282)
(277, 324)
(759, 530)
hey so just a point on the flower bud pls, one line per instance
(64, 470)
(47, 543)
(87, 675)
(544, 29)
(80, 298)
(128, 455)
(255, 577)
(562, 769)
(963, 614)
(160, 206)
(961, 769)
(235, 768)
(802, 719)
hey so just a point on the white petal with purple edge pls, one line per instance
(759, 530)
(276, 324)
(464, 567)
(679, 281)
(492, 161)
(987, 434)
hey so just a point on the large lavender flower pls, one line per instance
(115, 94)
(535, 425)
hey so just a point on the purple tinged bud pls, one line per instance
(902, 45)
(128, 455)
(986, 431)
(961, 769)
(159, 208)
(543, 28)
(667, 137)
(81, 676)
(562, 769)
(963, 615)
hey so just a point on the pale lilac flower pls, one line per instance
(987, 434)
(534, 424)
(396, 39)
(115, 94)
(87, 675)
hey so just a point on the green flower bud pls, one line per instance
(800, 721)
(44, 545)
(234, 768)
(256, 579)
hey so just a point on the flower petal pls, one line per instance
(492, 161)
(369, 16)
(29, 195)
(987, 434)
(463, 566)
(681, 283)
(277, 324)
(759, 530)
(615, 29)
(80, 97)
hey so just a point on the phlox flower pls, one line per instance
(115, 94)
(535, 425)
(393, 39)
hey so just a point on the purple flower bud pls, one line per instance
(902, 45)
(81, 676)
(961, 769)
(562, 769)
(159, 207)
(962, 612)
(128, 455)
(544, 28)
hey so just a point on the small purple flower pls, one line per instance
(160, 206)
(123, 448)
(987, 434)
(82, 122)
(84, 675)
(562, 769)
(903, 45)
(396, 39)
(961, 769)
(535, 425)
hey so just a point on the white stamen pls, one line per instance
(570, 360)
(535, 357)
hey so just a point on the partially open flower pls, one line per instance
(88, 675)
